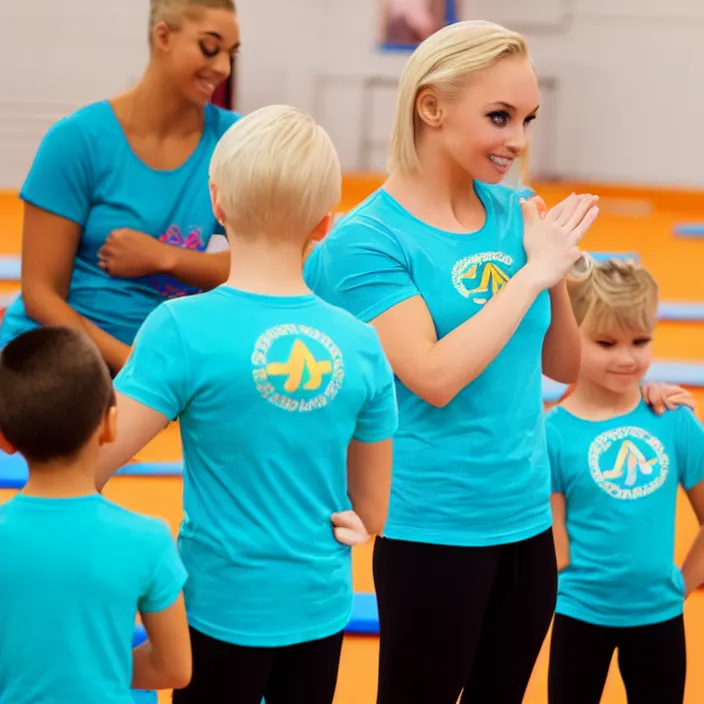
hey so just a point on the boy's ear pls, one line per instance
(108, 432)
(217, 210)
(5, 446)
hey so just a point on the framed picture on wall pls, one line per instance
(406, 23)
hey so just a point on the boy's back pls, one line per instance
(73, 573)
(269, 392)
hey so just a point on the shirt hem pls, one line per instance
(467, 538)
(619, 621)
(271, 640)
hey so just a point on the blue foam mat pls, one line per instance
(13, 470)
(690, 230)
(686, 312)
(10, 269)
(603, 256)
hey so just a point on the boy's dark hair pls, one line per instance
(55, 389)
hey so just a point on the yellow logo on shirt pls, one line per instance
(628, 462)
(297, 368)
(481, 276)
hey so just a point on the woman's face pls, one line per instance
(197, 58)
(487, 129)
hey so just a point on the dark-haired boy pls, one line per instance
(75, 568)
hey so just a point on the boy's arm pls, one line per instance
(369, 455)
(369, 482)
(152, 389)
(137, 426)
(693, 567)
(559, 530)
(164, 660)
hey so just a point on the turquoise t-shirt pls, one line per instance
(73, 575)
(475, 472)
(269, 392)
(85, 171)
(620, 481)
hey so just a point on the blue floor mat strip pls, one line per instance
(690, 229)
(10, 268)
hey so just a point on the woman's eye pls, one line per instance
(209, 49)
(500, 119)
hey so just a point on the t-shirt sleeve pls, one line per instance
(60, 179)
(167, 577)
(361, 268)
(690, 449)
(378, 419)
(554, 443)
(156, 372)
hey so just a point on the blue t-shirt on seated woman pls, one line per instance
(85, 171)
(475, 472)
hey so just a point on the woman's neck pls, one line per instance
(154, 107)
(594, 402)
(438, 193)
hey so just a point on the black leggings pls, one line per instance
(652, 660)
(462, 619)
(305, 673)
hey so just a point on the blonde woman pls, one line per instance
(117, 214)
(465, 285)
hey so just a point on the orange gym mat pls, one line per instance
(638, 221)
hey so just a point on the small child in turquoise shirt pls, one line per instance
(286, 407)
(75, 568)
(616, 470)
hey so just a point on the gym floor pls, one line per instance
(632, 221)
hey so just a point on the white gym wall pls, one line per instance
(623, 98)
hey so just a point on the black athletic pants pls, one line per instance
(652, 660)
(305, 673)
(462, 619)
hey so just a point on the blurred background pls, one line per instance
(621, 116)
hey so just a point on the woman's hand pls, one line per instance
(131, 254)
(551, 240)
(666, 397)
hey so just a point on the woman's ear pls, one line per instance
(428, 108)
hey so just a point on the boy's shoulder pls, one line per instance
(133, 523)
(365, 333)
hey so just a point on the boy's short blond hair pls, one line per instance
(276, 173)
(613, 293)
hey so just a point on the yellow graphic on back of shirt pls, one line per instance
(628, 462)
(300, 361)
(481, 276)
(292, 362)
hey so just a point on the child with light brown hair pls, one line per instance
(616, 470)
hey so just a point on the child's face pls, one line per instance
(617, 359)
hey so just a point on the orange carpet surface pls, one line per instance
(632, 220)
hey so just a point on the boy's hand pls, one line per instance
(666, 397)
(349, 529)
